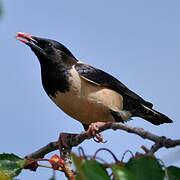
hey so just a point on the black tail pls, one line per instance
(153, 116)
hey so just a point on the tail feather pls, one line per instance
(153, 116)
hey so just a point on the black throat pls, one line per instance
(55, 79)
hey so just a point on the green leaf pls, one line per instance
(77, 163)
(173, 173)
(52, 178)
(94, 170)
(146, 168)
(121, 173)
(11, 165)
(77, 177)
(0, 8)
(3, 176)
(89, 169)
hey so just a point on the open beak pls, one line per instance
(25, 38)
(31, 41)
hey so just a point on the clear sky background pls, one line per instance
(138, 42)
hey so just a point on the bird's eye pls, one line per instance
(48, 45)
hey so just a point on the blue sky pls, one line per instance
(138, 42)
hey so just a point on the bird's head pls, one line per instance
(48, 51)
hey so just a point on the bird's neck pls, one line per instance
(55, 78)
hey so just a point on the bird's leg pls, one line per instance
(92, 132)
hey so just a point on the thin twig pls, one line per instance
(67, 164)
(78, 139)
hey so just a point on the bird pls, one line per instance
(84, 92)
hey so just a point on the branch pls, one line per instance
(40, 153)
(74, 140)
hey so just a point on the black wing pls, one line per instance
(102, 78)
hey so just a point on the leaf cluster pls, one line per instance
(137, 168)
(141, 168)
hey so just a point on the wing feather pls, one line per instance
(102, 78)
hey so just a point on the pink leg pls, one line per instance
(92, 131)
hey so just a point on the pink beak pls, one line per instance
(23, 37)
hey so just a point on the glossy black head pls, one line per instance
(48, 51)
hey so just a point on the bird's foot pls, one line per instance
(92, 132)
(63, 141)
